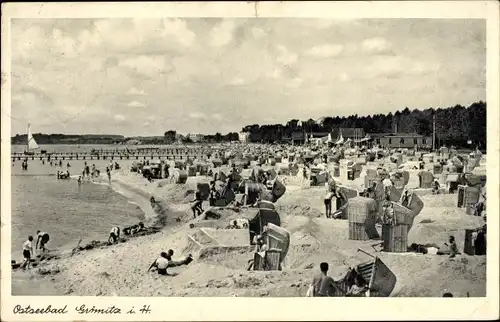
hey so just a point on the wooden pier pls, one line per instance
(121, 154)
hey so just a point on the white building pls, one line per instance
(195, 137)
(243, 136)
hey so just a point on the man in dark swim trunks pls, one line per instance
(43, 238)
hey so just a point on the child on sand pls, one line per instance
(27, 251)
(453, 249)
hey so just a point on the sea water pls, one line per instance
(63, 208)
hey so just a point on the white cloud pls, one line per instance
(237, 81)
(398, 66)
(258, 33)
(275, 73)
(285, 57)
(147, 65)
(218, 116)
(344, 77)
(119, 118)
(325, 51)
(169, 65)
(176, 28)
(197, 115)
(376, 45)
(295, 82)
(136, 104)
(222, 34)
(136, 92)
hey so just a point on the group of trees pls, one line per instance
(171, 137)
(454, 125)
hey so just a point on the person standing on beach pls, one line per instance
(27, 252)
(198, 201)
(328, 201)
(43, 238)
(212, 194)
(167, 174)
(108, 171)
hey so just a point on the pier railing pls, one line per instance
(115, 154)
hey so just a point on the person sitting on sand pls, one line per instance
(43, 238)
(323, 284)
(234, 225)
(435, 187)
(161, 264)
(453, 249)
(261, 248)
(27, 252)
(165, 261)
(114, 234)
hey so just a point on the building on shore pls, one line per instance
(400, 140)
(195, 137)
(354, 134)
(243, 136)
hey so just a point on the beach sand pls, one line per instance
(121, 270)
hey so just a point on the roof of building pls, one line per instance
(396, 135)
(349, 132)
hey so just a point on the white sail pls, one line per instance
(32, 145)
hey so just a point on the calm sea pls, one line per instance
(67, 211)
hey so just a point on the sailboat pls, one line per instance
(31, 144)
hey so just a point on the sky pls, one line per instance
(147, 76)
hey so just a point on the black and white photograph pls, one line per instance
(247, 157)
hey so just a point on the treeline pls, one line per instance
(58, 138)
(172, 136)
(454, 125)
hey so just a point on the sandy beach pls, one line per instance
(121, 270)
